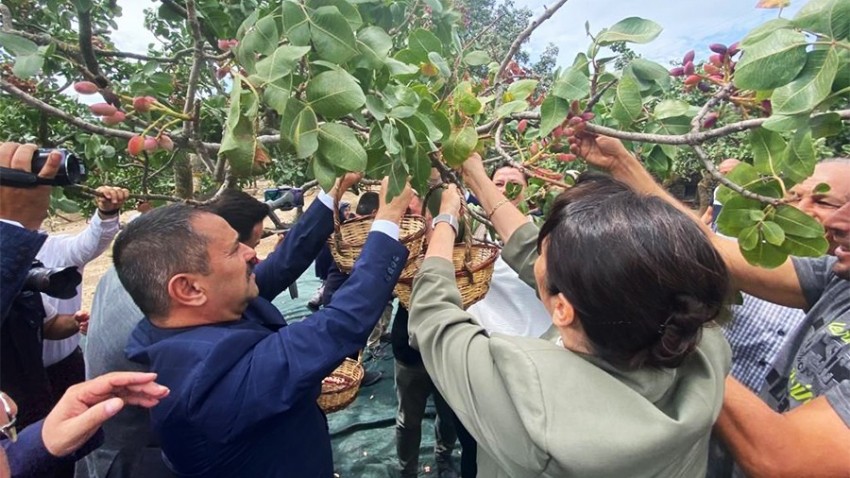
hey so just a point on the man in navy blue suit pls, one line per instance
(244, 384)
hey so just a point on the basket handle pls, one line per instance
(337, 233)
(467, 239)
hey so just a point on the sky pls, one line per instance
(687, 24)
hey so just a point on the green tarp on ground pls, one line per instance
(363, 435)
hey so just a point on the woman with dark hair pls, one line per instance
(631, 379)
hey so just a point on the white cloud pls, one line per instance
(687, 24)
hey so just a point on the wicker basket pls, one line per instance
(472, 275)
(340, 388)
(349, 238)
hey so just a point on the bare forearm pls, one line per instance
(505, 216)
(766, 443)
(61, 327)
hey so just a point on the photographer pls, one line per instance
(22, 210)
(73, 423)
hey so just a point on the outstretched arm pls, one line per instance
(779, 285)
(810, 440)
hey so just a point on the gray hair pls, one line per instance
(154, 248)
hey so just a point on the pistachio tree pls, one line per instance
(400, 87)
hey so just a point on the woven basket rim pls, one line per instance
(404, 237)
(494, 254)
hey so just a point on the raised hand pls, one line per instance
(600, 151)
(111, 198)
(395, 209)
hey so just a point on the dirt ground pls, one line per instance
(75, 223)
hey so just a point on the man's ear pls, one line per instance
(563, 313)
(184, 289)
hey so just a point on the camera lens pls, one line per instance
(71, 168)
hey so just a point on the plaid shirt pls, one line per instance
(757, 333)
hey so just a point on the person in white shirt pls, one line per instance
(510, 307)
(63, 359)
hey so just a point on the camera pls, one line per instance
(283, 198)
(71, 171)
(59, 282)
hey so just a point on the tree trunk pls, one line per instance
(183, 177)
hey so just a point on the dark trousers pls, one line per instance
(69, 371)
(413, 387)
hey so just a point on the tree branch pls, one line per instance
(87, 191)
(515, 46)
(191, 107)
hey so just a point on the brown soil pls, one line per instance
(75, 223)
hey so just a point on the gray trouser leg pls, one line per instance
(413, 385)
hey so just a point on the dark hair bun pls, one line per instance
(682, 331)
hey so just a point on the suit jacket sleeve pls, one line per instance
(456, 354)
(19, 248)
(29, 458)
(288, 366)
(521, 252)
(299, 248)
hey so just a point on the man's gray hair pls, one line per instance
(154, 248)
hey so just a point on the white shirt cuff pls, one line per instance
(326, 199)
(387, 227)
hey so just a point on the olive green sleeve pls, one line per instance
(521, 252)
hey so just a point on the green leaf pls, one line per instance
(459, 145)
(375, 44)
(628, 104)
(805, 247)
(296, 27)
(572, 85)
(797, 223)
(671, 108)
(765, 30)
(476, 58)
(299, 129)
(279, 64)
(349, 11)
(772, 62)
(827, 124)
(674, 125)
(773, 233)
(334, 94)
(421, 42)
(388, 135)
(553, 112)
(749, 238)
(18, 46)
(829, 17)
(811, 87)
(657, 161)
(522, 89)
(324, 172)
(765, 255)
(440, 63)
(27, 66)
(747, 177)
(736, 215)
(510, 108)
(399, 68)
(649, 74)
(376, 107)
(800, 157)
(276, 94)
(768, 150)
(780, 123)
(398, 177)
(331, 34)
(261, 38)
(821, 188)
(339, 146)
(632, 29)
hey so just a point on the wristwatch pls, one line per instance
(448, 219)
